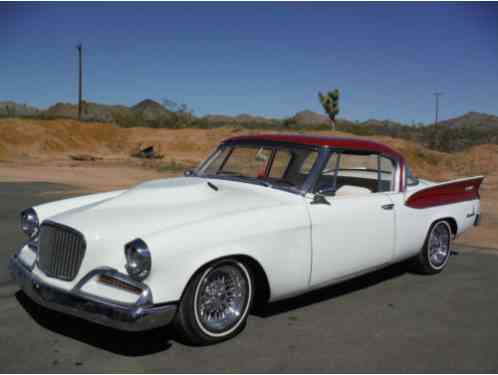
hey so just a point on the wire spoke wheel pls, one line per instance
(221, 298)
(439, 245)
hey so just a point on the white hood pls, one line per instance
(159, 204)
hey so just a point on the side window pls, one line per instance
(386, 174)
(411, 180)
(355, 174)
(280, 163)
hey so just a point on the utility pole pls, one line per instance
(437, 95)
(80, 80)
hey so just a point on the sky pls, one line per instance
(267, 59)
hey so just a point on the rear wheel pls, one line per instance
(216, 303)
(436, 250)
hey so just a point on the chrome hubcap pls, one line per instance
(222, 298)
(439, 245)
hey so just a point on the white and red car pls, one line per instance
(265, 216)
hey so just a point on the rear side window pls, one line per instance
(411, 180)
(352, 174)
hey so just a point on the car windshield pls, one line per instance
(277, 166)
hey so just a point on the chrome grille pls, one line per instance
(61, 251)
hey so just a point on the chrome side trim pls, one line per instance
(140, 316)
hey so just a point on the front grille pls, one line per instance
(61, 251)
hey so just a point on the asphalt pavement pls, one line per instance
(387, 321)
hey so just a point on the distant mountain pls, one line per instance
(90, 111)
(12, 109)
(151, 110)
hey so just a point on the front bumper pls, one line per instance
(127, 317)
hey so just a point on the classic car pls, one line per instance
(264, 217)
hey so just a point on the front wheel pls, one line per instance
(216, 303)
(436, 250)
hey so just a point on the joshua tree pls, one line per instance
(330, 103)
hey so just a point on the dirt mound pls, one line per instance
(59, 138)
(22, 138)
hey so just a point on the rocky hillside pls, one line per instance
(90, 111)
(151, 110)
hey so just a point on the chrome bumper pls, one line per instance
(135, 317)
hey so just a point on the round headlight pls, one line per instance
(29, 222)
(138, 259)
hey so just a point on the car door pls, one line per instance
(352, 221)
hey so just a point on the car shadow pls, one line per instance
(130, 344)
(135, 344)
(329, 292)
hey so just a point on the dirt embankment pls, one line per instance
(40, 150)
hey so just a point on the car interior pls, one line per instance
(356, 174)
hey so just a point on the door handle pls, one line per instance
(388, 206)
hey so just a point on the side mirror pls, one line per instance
(320, 196)
(319, 199)
(189, 173)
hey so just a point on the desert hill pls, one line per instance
(151, 109)
(45, 139)
(474, 119)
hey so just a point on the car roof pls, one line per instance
(356, 144)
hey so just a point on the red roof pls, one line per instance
(333, 142)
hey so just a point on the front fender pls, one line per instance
(278, 238)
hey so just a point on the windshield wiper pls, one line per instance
(285, 182)
(242, 177)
